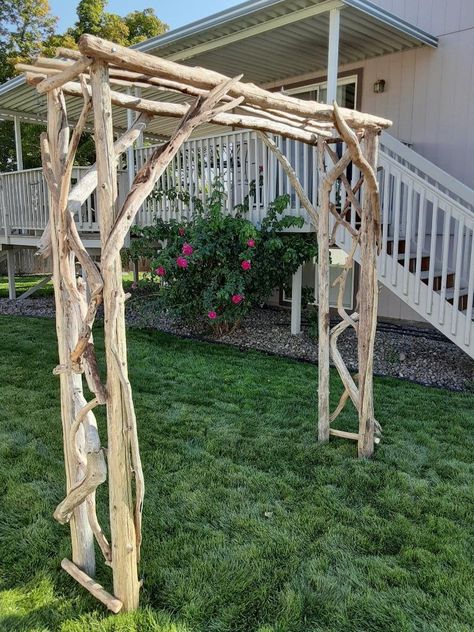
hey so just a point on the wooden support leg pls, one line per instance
(323, 306)
(122, 526)
(296, 286)
(368, 298)
(11, 274)
(82, 539)
(135, 271)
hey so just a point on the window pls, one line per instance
(346, 92)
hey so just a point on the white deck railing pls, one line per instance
(427, 256)
(240, 161)
(427, 250)
(24, 202)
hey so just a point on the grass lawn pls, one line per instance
(24, 282)
(249, 524)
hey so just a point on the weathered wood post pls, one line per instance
(66, 328)
(368, 305)
(122, 525)
(323, 298)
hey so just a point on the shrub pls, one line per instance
(215, 267)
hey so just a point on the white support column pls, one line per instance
(296, 286)
(132, 168)
(18, 147)
(333, 54)
(131, 150)
(139, 141)
(11, 274)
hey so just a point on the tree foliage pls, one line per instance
(134, 27)
(27, 28)
(24, 25)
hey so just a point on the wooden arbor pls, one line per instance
(89, 74)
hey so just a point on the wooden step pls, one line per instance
(463, 297)
(425, 262)
(438, 279)
(401, 247)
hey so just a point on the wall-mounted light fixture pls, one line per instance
(379, 86)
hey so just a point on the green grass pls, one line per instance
(249, 524)
(24, 282)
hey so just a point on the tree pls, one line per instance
(131, 29)
(90, 14)
(27, 29)
(24, 25)
(144, 24)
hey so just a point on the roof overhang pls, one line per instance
(276, 39)
(268, 40)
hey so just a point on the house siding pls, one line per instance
(430, 92)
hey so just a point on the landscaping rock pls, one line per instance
(418, 354)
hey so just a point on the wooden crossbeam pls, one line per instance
(95, 589)
(123, 57)
(36, 287)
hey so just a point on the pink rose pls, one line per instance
(187, 249)
(181, 231)
(251, 243)
(182, 262)
(160, 271)
(134, 285)
(237, 298)
(246, 265)
(212, 315)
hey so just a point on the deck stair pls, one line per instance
(427, 253)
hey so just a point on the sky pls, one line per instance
(173, 12)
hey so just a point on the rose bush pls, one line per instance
(214, 267)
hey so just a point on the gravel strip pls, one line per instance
(417, 354)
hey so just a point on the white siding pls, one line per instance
(430, 99)
(429, 92)
(438, 17)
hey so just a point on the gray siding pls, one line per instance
(430, 93)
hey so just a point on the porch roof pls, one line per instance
(268, 40)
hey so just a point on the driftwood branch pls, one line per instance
(84, 189)
(57, 81)
(111, 602)
(96, 473)
(358, 158)
(290, 172)
(201, 112)
(202, 78)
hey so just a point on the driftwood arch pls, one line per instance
(89, 74)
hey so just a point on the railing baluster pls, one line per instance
(396, 223)
(470, 293)
(432, 257)
(459, 248)
(265, 177)
(409, 213)
(420, 241)
(209, 167)
(296, 206)
(257, 178)
(305, 175)
(445, 262)
(385, 217)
